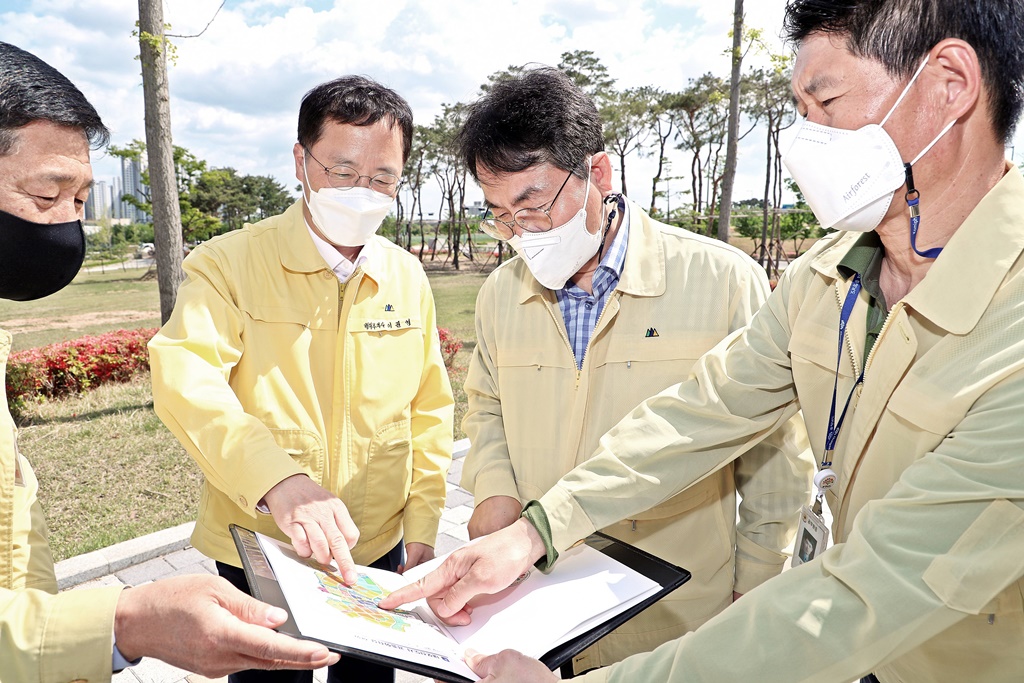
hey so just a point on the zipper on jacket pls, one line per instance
(849, 342)
(597, 326)
(560, 324)
(885, 324)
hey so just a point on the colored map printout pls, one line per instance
(360, 601)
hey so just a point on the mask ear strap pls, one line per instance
(905, 91)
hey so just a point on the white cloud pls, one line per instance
(236, 89)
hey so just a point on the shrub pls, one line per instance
(72, 366)
(450, 345)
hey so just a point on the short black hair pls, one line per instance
(536, 116)
(355, 100)
(32, 90)
(899, 33)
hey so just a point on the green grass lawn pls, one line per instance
(108, 468)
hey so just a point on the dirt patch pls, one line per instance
(77, 322)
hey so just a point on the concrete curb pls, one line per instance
(76, 570)
(81, 568)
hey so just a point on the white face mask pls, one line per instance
(849, 177)
(346, 218)
(556, 255)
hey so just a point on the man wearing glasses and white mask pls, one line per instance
(603, 308)
(302, 369)
(901, 338)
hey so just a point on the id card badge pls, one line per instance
(811, 536)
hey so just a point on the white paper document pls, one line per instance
(585, 588)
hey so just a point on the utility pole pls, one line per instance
(732, 140)
(160, 150)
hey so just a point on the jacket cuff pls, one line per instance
(755, 565)
(75, 647)
(270, 471)
(569, 523)
(536, 516)
(419, 527)
(496, 479)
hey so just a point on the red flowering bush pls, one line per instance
(450, 345)
(72, 366)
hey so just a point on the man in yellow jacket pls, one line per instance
(569, 341)
(302, 369)
(913, 317)
(196, 622)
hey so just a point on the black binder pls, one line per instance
(263, 585)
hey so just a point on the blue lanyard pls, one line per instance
(833, 427)
(913, 199)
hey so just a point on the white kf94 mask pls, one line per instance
(556, 255)
(346, 218)
(849, 177)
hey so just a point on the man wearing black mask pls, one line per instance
(197, 622)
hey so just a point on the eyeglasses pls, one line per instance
(345, 178)
(529, 220)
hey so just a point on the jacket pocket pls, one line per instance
(305, 448)
(388, 475)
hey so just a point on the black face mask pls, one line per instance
(38, 259)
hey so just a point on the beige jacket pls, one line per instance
(532, 416)
(925, 582)
(44, 638)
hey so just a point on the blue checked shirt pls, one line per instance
(580, 310)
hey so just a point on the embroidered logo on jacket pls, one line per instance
(651, 332)
(389, 308)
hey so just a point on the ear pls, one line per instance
(957, 73)
(299, 153)
(601, 172)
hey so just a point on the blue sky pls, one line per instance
(235, 90)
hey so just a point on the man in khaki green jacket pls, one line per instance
(195, 622)
(554, 368)
(302, 368)
(925, 581)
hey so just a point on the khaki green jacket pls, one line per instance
(925, 583)
(532, 416)
(44, 638)
(269, 367)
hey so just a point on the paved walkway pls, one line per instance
(168, 553)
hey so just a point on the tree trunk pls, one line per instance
(159, 148)
(622, 172)
(725, 211)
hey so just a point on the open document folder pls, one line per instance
(592, 589)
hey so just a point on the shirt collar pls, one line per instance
(335, 260)
(865, 259)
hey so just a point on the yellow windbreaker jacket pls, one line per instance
(44, 638)
(924, 584)
(532, 416)
(269, 367)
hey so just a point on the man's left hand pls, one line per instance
(509, 666)
(415, 554)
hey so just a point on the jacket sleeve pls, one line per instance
(945, 540)
(191, 359)
(488, 470)
(432, 419)
(737, 394)
(48, 638)
(774, 478)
